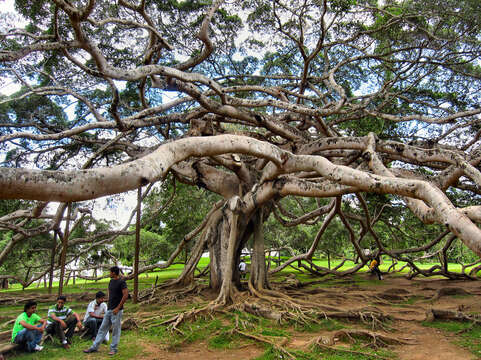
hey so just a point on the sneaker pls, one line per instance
(112, 352)
(380, 277)
(38, 348)
(89, 350)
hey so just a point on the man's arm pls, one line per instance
(92, 314)
(79, 323)
(125, 295)
(33, 327)
(55, 318)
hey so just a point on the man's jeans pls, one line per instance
(110, 319)
(28, 338)
(92, 324)
(56, 328)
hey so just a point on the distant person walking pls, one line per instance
(374, 266)
(118, 295)
(28, 328)
(242, 269)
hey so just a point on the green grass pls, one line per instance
(129, 348)
(215, 332)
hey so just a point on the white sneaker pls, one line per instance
(38, 348)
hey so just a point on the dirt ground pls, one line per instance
(406, 301)
(389, 296)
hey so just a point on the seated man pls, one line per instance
(27, 332)
(95, 314)
(61, 317)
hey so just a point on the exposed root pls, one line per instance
(176, 320)
(166, 296)
(454, 315)
(449, 291)
(258, 310)
(369, 355)
(278, 347)
(371, 316)
(377, 339)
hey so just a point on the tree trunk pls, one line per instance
(63, 255)
(52, 262)
(137, 247)
(226, 294)
(217, 249)
(258, 275)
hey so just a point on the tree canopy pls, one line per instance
(364, 106)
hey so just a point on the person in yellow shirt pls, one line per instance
(374, 266)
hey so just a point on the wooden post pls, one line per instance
(52, 261)
(135, 298)
(63, 255)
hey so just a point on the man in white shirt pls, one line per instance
(242, 269)
(95, 314)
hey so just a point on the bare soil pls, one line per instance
(405, 301)
(390, 296)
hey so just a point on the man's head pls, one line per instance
(114, 271)
(61, 300)
(100, 297)
(30, 307)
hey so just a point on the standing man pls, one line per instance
(94, 315)
(26, 331)
(61, 317)
(118, 295)
(242, 269)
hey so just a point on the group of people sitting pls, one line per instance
(62, 320)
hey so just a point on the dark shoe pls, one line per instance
(89, 350)
(66, 346)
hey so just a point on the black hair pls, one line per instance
(99, 295)
(115, 270)
(62, 297)
(29, 304)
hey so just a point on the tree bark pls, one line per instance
(258, 273)
(63, 255)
